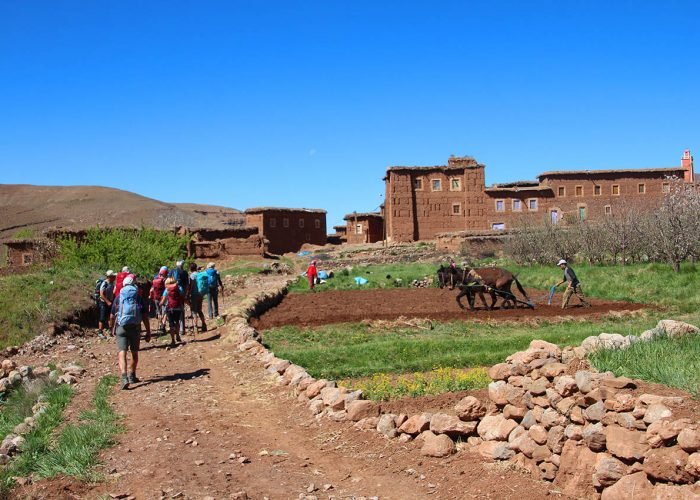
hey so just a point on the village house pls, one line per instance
(365, 227)
(422, 202)
(287, 229)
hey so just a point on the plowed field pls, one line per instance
(322, 308)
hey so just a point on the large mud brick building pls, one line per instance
(287, 229)
(422, 202)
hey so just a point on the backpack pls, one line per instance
(98, 286)
(180, 276)
(174, 297)
(158, 287)
(129, 307)
(212, 278)
(202, 283)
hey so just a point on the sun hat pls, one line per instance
(109, 273)
(210, 265)
(179, 263)
(163, 268)
(125, 269)
(129, 280)
(562, 261)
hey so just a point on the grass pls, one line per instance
(74, 452)
(672, 362)
(242, 268)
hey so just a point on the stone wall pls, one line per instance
(472, 243)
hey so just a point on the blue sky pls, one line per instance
(307, 103)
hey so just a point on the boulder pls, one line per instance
(693, 465)
(574, 432)
(667, 464)
(387, 425)
(621, 403)
(675, 329)
(495, 428)
(689, 440)
(548, 471)
(594, 437)
(584, 381)
(565, 385)
(538, 434)
(618, 383)
(652, 334)
(556, 438)
(576, 469)
(514, 412)
(495, 450)
(656, 412)
(360, 408)
(528, 420)
(552, 350)
(538, 387)
(437, 446)
(314, 389)
(595, 412)
(633, 487)
(498, 392)
(626, 444)
(541, 453)
(590, 344)
(416, 424)
(523, 444)
(676, 492)
(501, 371)
(608, 470)
(613, 341)
(553, 370)
(333, 397)
(551, 417)
(516, 433)
(470, 409)
(440, 423)
(367, 424)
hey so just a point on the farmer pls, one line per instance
(573, 286)
(128, 306)
(105, 302)
(312, 273)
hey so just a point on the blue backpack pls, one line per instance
(129, 308)
(213, 278)
(202, 283)
(182, 279)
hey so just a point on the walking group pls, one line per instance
(126, 302)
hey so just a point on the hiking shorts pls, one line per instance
(128, 338)
(104, 311)
(196, 304)
(174, 316)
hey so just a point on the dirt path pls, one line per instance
(203, 407)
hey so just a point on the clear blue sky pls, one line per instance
(306, 103)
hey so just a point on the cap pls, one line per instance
(163, 272)
(125, 269)
(129, 280)
(210, 265)
(109, 273)
(179, 263)
(562, 261)
(163, 268)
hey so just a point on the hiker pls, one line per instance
(214, 282)
(312, 274)
(120, 280)
(572, 288)
(157, 289)
(183, 283)
(128, 306)
(104, 302)
(199, 287)
(174, 303)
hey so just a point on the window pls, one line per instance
(616, 190)
(418, 184)
(666, 187)
(596, 190)
(641, 188)
(26, 259)
(579, 190)
(561, 191)
(517, 206)
(608, 210)
(317, 223)
(436, 184)
(498, 226)
(358, 229)
(285, 222)
(554, 216)
(301, 223)
(532, 203)
(455, 184)
(456, 208)
(500, 206)
(582, 213)
(273, 222)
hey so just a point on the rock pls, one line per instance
(667, 464)
(280, 366)
(652, 334)
(626, 444)
(14, 377)
(541, 453)
(386, 424)
(575, 471)
(566, 405)
(693, 465)
(595, 412)
(495, 428)
(594, 437)
(576, 415)
(676, 492)
(613, 341)
(67, 379)
(584, 381)
(656, 412)
(628, 421)
(548, 471)
(25, 371)
(552, 350)
(441, 423)
(523, 444)
(359, 409)
(621, 403)
(538, 387)
(538, 434)
(516, 433)
(405, 438)
(495, 450)
(470, 409)
(341, 415)
(689, 440)
(556, 438)
(651, 399)
(675, 329)
(552, 396)
(590, 344)
(316, 406)
(633, 487)
(501, 371)
(574, 432)
(553, 370)
(416, 424)
(437, 446)
(333, 397)
(21, 428)
(367, 424)
(498, 392)
(608, 470)
(551, 417)
(314, 389)
(565, 385)
(618, 383)
(514, 412)
(528, 420)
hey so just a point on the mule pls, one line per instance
(496, 281)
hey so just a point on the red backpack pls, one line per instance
(174, 297)
(157, 287)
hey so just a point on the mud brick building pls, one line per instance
(27, 251)
(287, 229)
(217, 243)
(422, 202)
(365, 227)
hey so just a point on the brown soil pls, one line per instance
(313, 309)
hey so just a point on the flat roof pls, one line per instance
(258, 210)
(516, 189)
(363, 215)
(667, 170)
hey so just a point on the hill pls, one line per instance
(29, 209)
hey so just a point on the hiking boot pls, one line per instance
(101, 335)
(178, 338)
(133, 379)
(125, 382)
(204, 328)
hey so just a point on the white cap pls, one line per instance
(109, 273)
(128, 280)
(562, 261)
(179, 263)
(125, 269)
(210, 265)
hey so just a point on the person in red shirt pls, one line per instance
(312, 273)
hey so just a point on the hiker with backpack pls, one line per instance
(182, 280)
(199, 287)
(128, 313)
(120, 280)
(156, 294)
(175, 305)
(214, 283)
(104, 295)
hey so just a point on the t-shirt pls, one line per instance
(107, 289)
(570, 275)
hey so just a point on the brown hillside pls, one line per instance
(24, 206)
